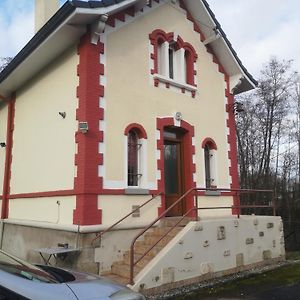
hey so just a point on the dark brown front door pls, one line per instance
(173, 161)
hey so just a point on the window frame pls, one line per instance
(210, 170)
(141, 135)
(185, 78)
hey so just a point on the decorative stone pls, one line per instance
(239, 259)
(270, 225)
(274, 243)
(180, 242)
(137, 212)
(282, 240)
(221, 233)
(255, 222)
(261, 233)
(226, 253)
(188, 255)
(198, 227)
(206, 243)
(249, 241)
(267, 254)
(167, 275)
(206, 267)
(236, 223)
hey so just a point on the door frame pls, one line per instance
(188, 153)
(178, 141)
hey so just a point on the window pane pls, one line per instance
(171, 168)
(207, 166)
(171, 63)
(132, 158)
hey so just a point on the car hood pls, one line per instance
(88, 286)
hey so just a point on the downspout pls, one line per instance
(8, 157)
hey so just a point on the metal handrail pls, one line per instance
(132, 262)
(196, 208)
(100, 234)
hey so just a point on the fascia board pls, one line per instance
(56, 43)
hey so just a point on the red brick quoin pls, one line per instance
(87, 184)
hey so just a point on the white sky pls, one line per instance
(257, 29)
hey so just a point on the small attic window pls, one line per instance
(174, 61)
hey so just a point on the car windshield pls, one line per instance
(23, 269)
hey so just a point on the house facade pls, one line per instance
(110, 104)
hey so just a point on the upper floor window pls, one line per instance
(210, 148)
(174, 61)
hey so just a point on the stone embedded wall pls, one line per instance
(214, 246)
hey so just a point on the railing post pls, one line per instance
(196, 205)
(131, 264)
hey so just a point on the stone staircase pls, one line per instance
(120, 270)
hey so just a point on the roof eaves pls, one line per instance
(218, 26)
(57, 19)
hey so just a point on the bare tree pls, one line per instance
(4, 61)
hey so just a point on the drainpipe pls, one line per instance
(8, 157)
(1, 232)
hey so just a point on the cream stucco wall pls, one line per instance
(130, 95)
(116, 207)
(55, 210)
(3, 127)
(44, 143)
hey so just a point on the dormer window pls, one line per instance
(174, 61)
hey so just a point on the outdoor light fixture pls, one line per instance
(83, 127)
(62, 114)
(3, 144)
(236, 107)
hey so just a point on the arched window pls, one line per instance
(210, 148)
(173, 60)
(133, 158)
(136, 153)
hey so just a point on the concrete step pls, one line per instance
(123, 270)
(116, 278)
(163, 230)
(171, 221)
(143, 263)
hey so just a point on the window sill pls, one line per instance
(173, 82)
(136, 191)
(212, 193)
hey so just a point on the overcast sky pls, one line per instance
(257, 29)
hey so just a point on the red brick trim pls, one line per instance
(232, 155)
(189, 151)
(8, 157)
(139, 129)
(87, 183)
(231, 138)
(211, 143)
(49, 194)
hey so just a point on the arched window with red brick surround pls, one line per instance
(135, 135)
(210, 149)
(173, 61)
